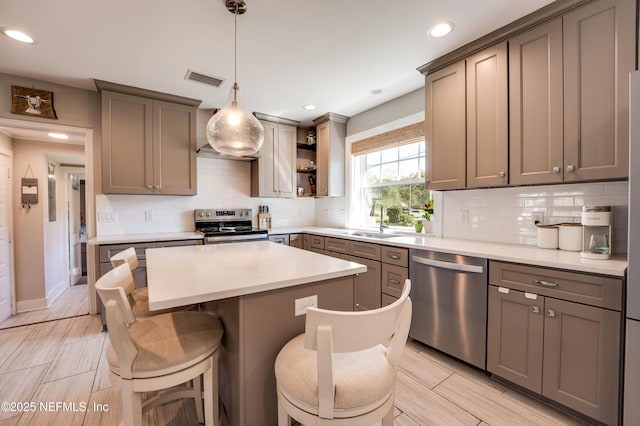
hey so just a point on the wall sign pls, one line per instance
(33, 102)
(29, 189)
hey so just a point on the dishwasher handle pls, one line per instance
(477, 269)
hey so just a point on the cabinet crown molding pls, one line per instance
(108, 86)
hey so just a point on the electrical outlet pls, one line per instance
(463, 217)
(537, 218)
(148, 215)
(305, 302)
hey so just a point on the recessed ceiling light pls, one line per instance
(309, 107)
(58, 135)
(18, 36)
(441, 29)
(377, 91)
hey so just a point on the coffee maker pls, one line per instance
(597, 224)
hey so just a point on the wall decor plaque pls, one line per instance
(33, 102)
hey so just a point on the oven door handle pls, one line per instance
(476, 269)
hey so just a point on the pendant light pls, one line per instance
(233, 130)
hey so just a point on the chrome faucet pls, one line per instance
(373, 212)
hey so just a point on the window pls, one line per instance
(391, 176)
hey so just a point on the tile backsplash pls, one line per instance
(505, 214)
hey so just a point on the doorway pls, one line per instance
(51, 305)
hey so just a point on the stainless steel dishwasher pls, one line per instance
(449, 295)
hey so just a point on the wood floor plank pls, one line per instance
(105, 408)
(422, 367)
(19, 387)
(70, 390)
(74, 358)
(32, 352)
(84, 327)
(426, 407)
(102, 380)
(503, 409)
(10, 341)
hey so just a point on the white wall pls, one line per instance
(221, 184)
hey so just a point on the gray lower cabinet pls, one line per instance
(296, 240)
(105, 252)
(366, 286)
(543, 336)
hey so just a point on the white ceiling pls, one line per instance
(331, 53)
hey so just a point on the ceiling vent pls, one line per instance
(195, 76)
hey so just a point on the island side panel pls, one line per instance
(267, 323)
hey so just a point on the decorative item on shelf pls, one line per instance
(300, 191)
(418, 226)
(233, 130)
(312, 184)
(309, 167)
(311, 137)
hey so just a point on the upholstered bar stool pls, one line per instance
(342, 370)
(139, 297)
(160, 352)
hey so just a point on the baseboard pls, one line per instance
(55, 292)
(31, 305)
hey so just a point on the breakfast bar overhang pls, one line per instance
(252, 288)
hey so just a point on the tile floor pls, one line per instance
(64, 361)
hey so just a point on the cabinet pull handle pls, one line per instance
(570, 168)
(546, 283)
(551, 313)
(394, 256)
(502, 173)
(535, 309)
(394, 282)
(157, 186)
(556, 169)
(149, 186)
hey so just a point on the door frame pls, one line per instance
(89, 185)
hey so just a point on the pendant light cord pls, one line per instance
(235, 45)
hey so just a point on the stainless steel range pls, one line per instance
(227, 225)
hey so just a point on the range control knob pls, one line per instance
(208, 213)
(201, 213)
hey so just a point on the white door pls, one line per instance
(5, 245)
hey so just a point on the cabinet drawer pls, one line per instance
(595, 290)
(393, 279)
(337, 245)
(316, 242)
(395, 256)
(178, 243)
(366, 250)
(109, 250)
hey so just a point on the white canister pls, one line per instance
(570, 237)
(548, 237)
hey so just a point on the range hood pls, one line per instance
(204, 149)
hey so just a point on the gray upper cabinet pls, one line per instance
(569, 96)
(466, 122)
(330, 173)
(487, 118)
(536, 106)
(148, 144)
(445, 124)
(599, 52)
(274, 173)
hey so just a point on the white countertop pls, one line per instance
(530, 255)
(179, 276)
(143, 238)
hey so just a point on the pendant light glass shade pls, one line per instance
(235, 131)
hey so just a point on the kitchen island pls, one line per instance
(252, 287)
